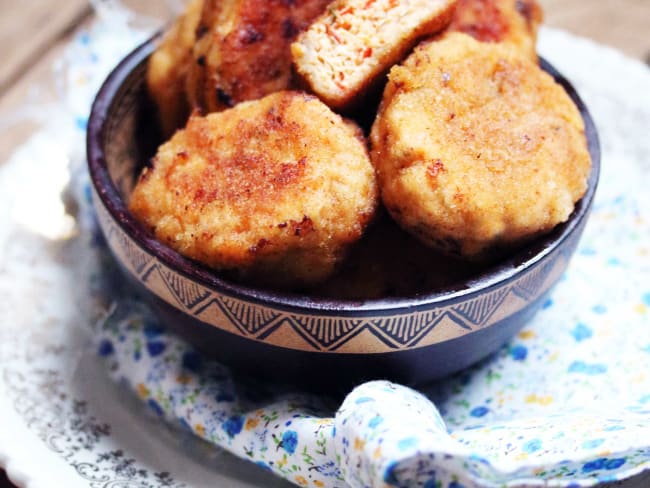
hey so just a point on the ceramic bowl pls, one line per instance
(314, 340)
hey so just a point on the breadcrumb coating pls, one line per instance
(276, 189)
(168, 67)
(242, 50)
(512, 21)
(476, 147)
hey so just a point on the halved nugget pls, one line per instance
(275, 189)
(476, 147)
(356, 41)
(242, 49)
(512, 21)
(168, 67)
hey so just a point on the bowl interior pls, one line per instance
(123, 135)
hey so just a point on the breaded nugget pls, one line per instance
(168, 67)
(512, 21)
(477, 147)
(242, 49)
(348, 48)
(276, 189)
(389, 262)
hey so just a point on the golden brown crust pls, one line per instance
(276, 188)
(477, 147)
(242, 49)
(512, 21)
(347, 49)
(168, 67)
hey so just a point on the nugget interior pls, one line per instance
(276, 188)
(477, 147)
(355, 41)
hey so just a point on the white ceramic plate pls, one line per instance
(62, 422)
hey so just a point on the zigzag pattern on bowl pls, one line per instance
(368, 333)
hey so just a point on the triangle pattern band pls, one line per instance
(479, 310)
(146, 274)
(214, 302)
(403, 329)
(326, 330)
(367, 326)
(528, 287)
(115, 237)
(187, 293)
(136, 257)
(246, 316)
(291, 322)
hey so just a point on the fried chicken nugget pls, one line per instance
(371, 270)
(168, 67)
(476, 147)
(276, 188)
(242, 49)
(512, 21)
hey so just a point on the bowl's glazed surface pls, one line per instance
(314, 340)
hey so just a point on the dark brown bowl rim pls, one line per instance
(504, 271)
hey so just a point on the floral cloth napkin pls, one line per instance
(566, 403)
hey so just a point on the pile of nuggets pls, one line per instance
(268, 177)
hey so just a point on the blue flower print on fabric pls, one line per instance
(581, 332)
(233, 425)
(155, 407)
(603, 463)
(105, 348)
(589, 369)
(155, 348)
(518, 352)
(480, 411)
(289, 441)
(532, 446)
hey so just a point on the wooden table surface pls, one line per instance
(33, 33)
